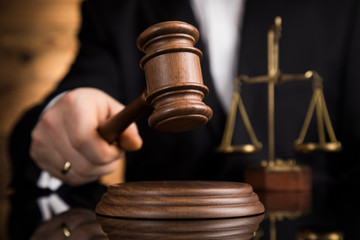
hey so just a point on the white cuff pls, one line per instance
(51, 205)
(53, 101)
(46, 181)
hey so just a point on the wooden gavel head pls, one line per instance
(173, 76)
(174, 83)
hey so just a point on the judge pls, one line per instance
(57, 141)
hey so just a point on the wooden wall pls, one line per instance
(37, 45)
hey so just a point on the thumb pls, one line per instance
(130, 139)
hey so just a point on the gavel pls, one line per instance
(174, 84)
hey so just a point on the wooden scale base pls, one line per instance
(282, 176)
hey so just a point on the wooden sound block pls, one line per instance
(229, 228)
(179, 200)
(280, 179)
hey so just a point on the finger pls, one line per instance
(52, 155)
(50, 150)
(84, 137)
(86, 163)
(83, 171)
(88, 230)
(51, 146)
(55, 165)
(87, 171)
(130, 139)
(55, 234)
(45, 143)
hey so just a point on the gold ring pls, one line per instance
(66, 168)
(66, 230)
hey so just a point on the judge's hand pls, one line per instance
(67, 132)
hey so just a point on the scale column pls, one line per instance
(274, 74)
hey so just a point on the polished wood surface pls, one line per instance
(233, 228)
(298, 179)
(179, 200)
(287, 201)
(174, 82)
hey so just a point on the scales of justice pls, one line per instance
(277, 174)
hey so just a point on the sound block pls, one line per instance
(242, 228)
(280, 178)
(179, 200)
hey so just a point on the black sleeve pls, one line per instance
(95, 66)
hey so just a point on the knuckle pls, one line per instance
(70, 98)
(48, 120)
(35, 136)
(84, 169)
(112, 157)
(77, 140)
(38, 160)
(107, 156)
(36, 144)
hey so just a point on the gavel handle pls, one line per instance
(112, 128)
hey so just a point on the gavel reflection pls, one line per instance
(174, 83)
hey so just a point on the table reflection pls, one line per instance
(329, 210)
(77, 223)
(242, 228)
